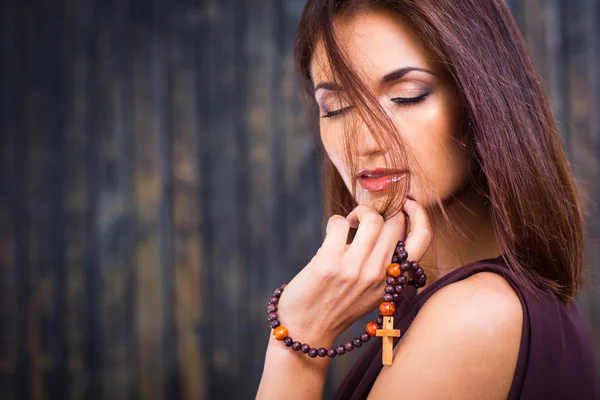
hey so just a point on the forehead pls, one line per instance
(374, 42)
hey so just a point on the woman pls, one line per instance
(437, 133)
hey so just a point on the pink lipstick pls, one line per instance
(378, 179)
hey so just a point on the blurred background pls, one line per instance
(158, 179)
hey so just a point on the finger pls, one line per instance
(393, 230)
(336, 233)
(420, 235)
(369, 224)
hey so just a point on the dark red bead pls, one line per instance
(399, 249)
(277, 292)
(296, 346)
(388, 297)
(322, 352)
(273, 300)
(331, 353)
(396, 296)
(399, 289)
(305, 348)
(404, 266)
(275, 323)
(395, 259)
(379, 319)
(271, 316)
(365, 337)
(422, 280)
(389, 289)
(414, 265)
(341, 350)
(402, 255)
(284, 286)
(400, 243)
(313, 353)
(402, 280)
(288, 341)
(271, 308)
(357, 342)
(390, 280)
(348, 346)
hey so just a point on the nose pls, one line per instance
(366, 143)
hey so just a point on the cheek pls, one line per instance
(335, 151)
(442, 156)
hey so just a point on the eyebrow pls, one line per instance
(389, 77)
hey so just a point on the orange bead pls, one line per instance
(280, 332)
(387, 308)
(371, 328)
(394, 270)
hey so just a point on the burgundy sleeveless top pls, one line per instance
(556, 358)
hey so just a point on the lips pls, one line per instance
(376, 180)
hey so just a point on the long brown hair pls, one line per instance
(520, 162)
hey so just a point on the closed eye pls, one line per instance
(398, 100)
(331, 114)
(410, 100)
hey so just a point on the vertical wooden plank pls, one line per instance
(517, 10)
(555, 82)
(124, 142)
(534, 30)
(114, 213)
(147, 190)
(578, 92)
(579, 102)
(94, 284)
(187, 206)
(38, 210)
(162, 92)
(52, 67)
(203, 16)
(77, 201)
(10, 290)
(223, 270)
(21, 214)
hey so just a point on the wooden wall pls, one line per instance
(157, 181)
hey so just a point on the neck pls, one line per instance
(467, 238)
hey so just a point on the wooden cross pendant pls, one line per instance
(387, 334)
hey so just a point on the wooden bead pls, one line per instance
(371, 328)
(280, 332)
(402, 255)
(394, 270)
(387, 308)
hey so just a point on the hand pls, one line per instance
(342, 283)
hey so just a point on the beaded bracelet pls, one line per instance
(395, 281)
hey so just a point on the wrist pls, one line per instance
(311, 338)
(280, 354)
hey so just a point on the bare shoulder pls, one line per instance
(464, 343)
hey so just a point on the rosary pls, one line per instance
(382, 327)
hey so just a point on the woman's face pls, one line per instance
(399, 71)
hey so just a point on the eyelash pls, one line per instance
(401, 101)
